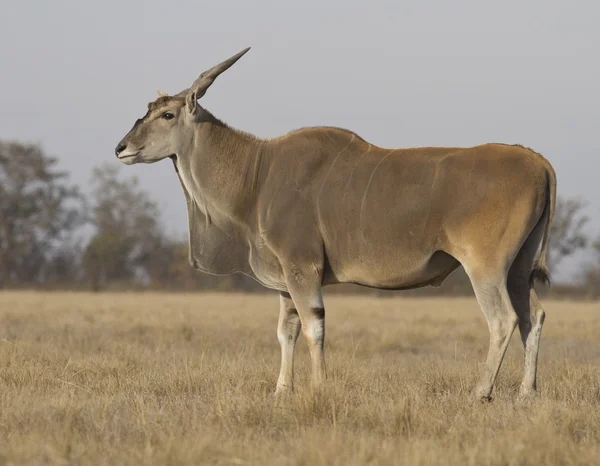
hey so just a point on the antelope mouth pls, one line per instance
(128, 156)
(130, 153)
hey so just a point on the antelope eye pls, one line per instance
(167, 116)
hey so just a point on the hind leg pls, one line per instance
(494, 300)
(528, 308)
(531, 320)
(532, 346)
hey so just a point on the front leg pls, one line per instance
(314, 332)
(304, 286)
(288, 330)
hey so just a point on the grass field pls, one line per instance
(144, 379)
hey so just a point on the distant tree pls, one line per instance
(64, 269)
(39, 209)
(566, 234)
(107, 258)
(169, 266)
(591, 272)
(127, 229)
(166, 264)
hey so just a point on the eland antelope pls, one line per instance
(321, 205)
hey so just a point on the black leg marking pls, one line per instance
(318, 312)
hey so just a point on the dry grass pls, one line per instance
(187, 379)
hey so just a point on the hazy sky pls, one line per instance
(75, 75)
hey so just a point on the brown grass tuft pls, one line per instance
(176, 379)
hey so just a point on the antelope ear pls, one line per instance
(161, 93)
(205, 80)
(191, 101)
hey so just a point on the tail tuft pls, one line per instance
(540, 270)
(541, 274)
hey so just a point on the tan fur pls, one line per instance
(321, 206)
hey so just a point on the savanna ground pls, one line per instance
(144, 379)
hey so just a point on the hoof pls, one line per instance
(281, 398)
(527, 394)
(483, 395)
(283, 391)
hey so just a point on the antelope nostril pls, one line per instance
(120, 148)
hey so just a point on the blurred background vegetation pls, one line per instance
(52, 236)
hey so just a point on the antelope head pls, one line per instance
(170, 122)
